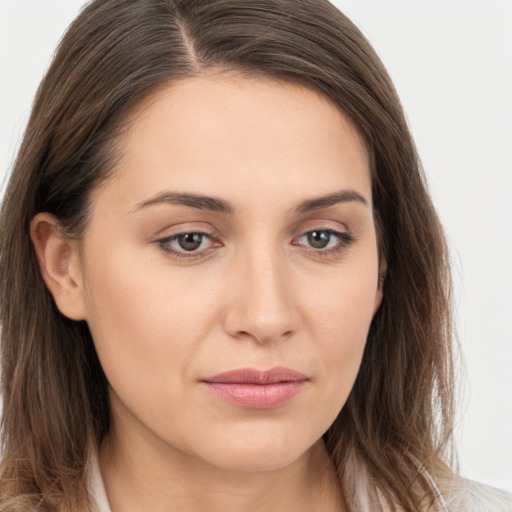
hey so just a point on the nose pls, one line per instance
(262, 303)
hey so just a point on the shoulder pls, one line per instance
(463, 495)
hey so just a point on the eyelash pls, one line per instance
(345, 240)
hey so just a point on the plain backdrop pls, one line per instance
(451, 62)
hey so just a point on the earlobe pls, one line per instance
(60, 265)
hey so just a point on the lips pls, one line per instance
(256, 389)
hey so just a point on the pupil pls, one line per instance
(319, 239)
(190, 241)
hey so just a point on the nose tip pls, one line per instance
(262, 305)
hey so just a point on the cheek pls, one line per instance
(147, 324)
(340, 319)
(344, 300)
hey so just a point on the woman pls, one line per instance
(223, 282)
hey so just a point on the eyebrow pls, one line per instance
(319, 203)
(216, 205)
(197, 201)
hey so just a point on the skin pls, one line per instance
(255, 294)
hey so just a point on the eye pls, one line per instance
(188, 245)
(319, 239)
(325, 240)
(190, 241)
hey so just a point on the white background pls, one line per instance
(452, 65)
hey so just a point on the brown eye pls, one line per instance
(190, 241)
(319, 239)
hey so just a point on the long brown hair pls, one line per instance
(118, 52)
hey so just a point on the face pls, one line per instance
(230, 271)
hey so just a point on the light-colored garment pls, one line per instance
(99, 502)
(459, 495)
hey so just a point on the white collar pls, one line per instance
(99, 501)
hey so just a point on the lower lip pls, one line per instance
(257, 396)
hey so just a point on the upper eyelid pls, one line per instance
(213, 233)
(344, 236)
(323, 224)
(205, 225)
(328, 229)
(173, 231)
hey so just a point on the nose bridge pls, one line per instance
(262, 306)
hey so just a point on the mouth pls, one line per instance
(256, 389)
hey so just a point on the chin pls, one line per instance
(256, 453)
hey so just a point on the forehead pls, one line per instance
(236, 137)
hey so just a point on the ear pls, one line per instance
(383, 267)
(60, 265)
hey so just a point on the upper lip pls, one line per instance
(255, 376)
